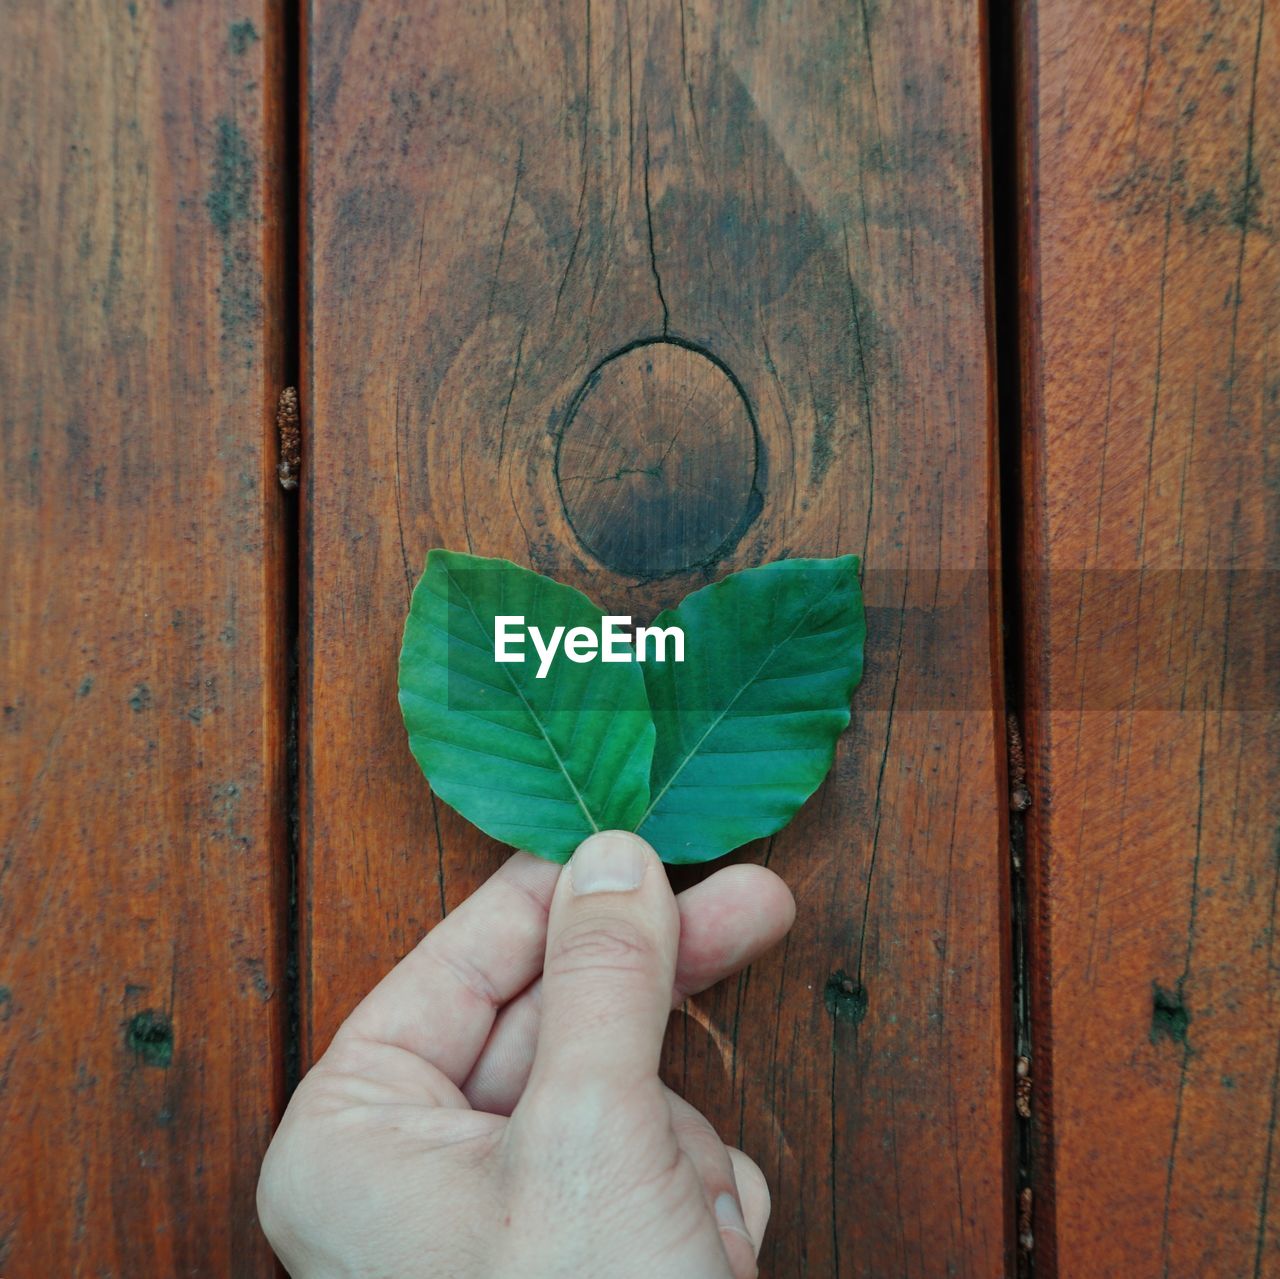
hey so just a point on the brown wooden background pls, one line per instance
(437, 220)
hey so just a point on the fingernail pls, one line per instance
(610, 862)
(729, 1215)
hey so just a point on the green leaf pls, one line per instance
(538, 763)
(747, 723)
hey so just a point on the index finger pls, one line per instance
(439, 1002)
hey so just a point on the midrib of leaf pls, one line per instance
(515, 688)
(711, 728)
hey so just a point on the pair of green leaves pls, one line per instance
(699, 756)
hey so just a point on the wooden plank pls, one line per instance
(763, 227)
(143, 865)
(1152, 544)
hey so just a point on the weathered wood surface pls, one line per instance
(787, 206)
(142, 856)
(1152, 298)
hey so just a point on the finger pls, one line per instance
(753, 1195)
(440, 1001)
(610, 964)
(725, 922)
(502, 1069)
(711, 1160)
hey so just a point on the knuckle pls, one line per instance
(615, 945)
(472, 980)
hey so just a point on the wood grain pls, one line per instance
(143, 866)
(786, 204)
(1151, 545)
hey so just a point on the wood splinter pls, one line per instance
(1022, 1088)
(290, 433)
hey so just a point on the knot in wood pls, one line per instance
(657, 461)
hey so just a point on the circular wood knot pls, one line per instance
(657, 461)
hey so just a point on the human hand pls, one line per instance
(473, 1120)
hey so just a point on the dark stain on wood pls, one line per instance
(149, 1035)
(1170, 1017)
(845, 998)
(230, 204)
(240, 35)
(230, 199)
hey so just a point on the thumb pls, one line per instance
(612, 937)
